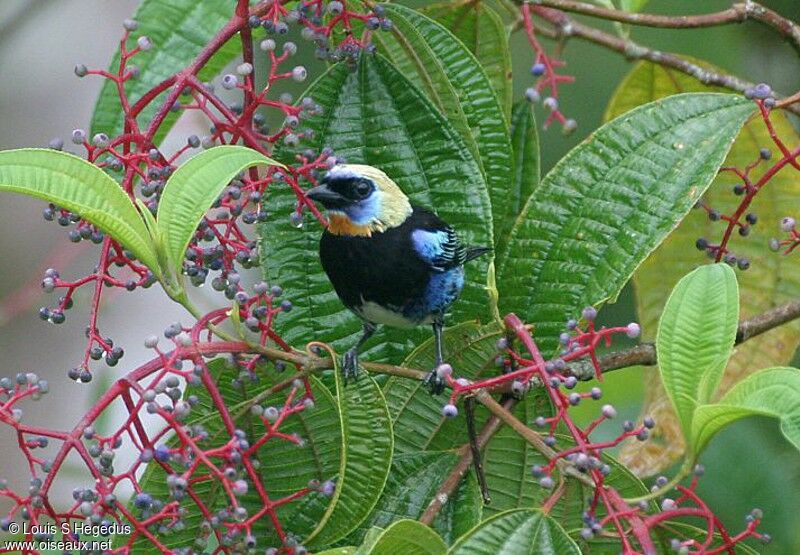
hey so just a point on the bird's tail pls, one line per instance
(475, 252)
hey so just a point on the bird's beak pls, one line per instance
(324, 195)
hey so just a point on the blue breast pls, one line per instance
(442, 290)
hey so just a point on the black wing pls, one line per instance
(438, 243)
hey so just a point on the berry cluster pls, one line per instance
(161, 398)
(792, 240)
(742, 219)
(547, 78)
(320, 21)
(572, 451)
(177, 421)
(223, 244)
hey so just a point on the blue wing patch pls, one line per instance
(441, 248)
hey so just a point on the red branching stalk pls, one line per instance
(156, 428)
(188, 455)
(545, 68)
(144, 168)
(634, 525)
(740, 220)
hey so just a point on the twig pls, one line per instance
(768, 320)
(645, 354)
(462, 466)
(735, 14)
(532, 437)
(566, 27)
(738, 13)
(641, 355)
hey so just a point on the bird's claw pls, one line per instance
(434, 383)
(350, 365)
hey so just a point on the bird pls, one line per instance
(390, 262)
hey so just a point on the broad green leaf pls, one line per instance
(416, 414)
(517, 532)
(192, 189)
(633, 5)
(349, 550)
(419, 425)
(695, 337)
(408, 537)
(179, 30)
(285, 467)
(771, 280)
(441, 66)
(369, 540)
(481, 30)
(367, 446)
(773, 392)
(508, 459)
(375, 116)
(413, 481)
(604, 3)
(609, 202)
(525, 144)
(462, 513)
(80, 187)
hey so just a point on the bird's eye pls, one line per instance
(363, 189)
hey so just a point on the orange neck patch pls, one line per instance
(342, 225)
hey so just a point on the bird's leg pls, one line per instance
(350, 358)
(434, 383)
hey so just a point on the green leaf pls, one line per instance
(481, 30)
(633, 5)
(416, 414)
(695, 337)
(367, 445)
(375, 116)
(80, 187)
(349, 550)
(517, 532)
(408, 537)
(508, 459)
(192, 189)
(419, 425)
(770, 281)
(413, 481)
(604, 3)
(525, 143)
(369, 540)
(462, 513)
(609, 202)
(439, 64)
(285, 467)
(773, 392)
(179, 30)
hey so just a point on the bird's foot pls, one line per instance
(350, 365)
(434, 383)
